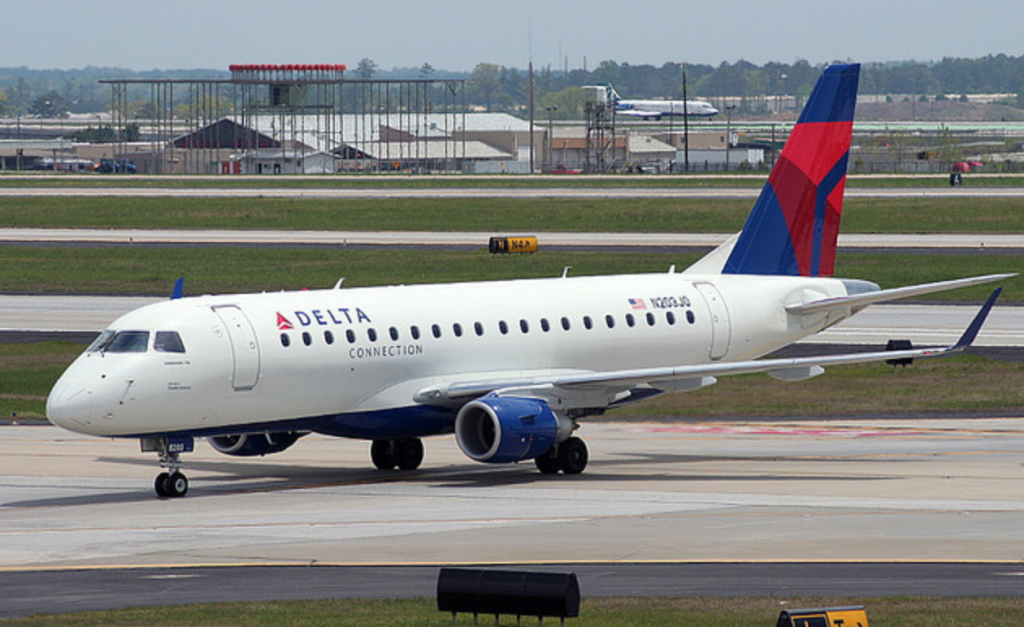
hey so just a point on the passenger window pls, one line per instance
(690, 317)
(630, 321)
(478, 328)
(503, 327)
(524, 326)
(372, 334)
(328, 337)
(393, 332)
(544, 326)
(588, 323)
(565, 323)
(350, 335)
(307, 339)
(457, 329)
(168, 342)
(670, 317)
(286, 341)
(610, 321)
(650, 319)
(414, 331)
(435, 330)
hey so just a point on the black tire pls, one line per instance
(158, 485)
(176, 485)
(573, 456)
(548, 463)
(408, 453)
(382, 454)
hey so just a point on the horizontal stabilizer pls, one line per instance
(859, 301)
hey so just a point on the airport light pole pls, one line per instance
(686, 126)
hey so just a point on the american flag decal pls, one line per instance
(637, 303)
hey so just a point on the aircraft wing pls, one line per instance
(614, 386)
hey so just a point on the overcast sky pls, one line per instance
(458, 34)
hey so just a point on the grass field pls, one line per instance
(152, 271)
(860, 215)
(597, 612)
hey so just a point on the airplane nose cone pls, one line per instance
(69, 406)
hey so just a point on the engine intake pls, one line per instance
(253, 444)
(503, 429)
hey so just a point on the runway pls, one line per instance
(226, 237)
(815, 493)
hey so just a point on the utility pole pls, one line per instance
(686, 127)
(531, 117)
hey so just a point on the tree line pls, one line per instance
(492, 87)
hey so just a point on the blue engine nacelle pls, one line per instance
(503, 429)
(253, 444)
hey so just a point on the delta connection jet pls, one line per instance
(654, 109)
(509, 367)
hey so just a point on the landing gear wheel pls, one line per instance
(573, 456)
(158, 485)
(548, 463)
(175, 485)
(382, 453)
(408, 453)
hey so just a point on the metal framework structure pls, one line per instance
(600, 137)
(196, 126)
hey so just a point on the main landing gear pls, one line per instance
(404, 454)
(570, 457)
(173, 483)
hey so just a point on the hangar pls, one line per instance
(272, 144)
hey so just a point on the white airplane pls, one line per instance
(509, 366)
(653, 109)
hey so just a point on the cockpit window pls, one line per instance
(121, 342)
(168, 342)
(101, 341)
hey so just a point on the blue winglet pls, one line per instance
(179, 289)
(972, 330)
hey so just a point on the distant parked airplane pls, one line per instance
(653, 109)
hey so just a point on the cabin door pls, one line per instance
(244, 347)
(721, 328)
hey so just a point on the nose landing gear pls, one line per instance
(173, 483)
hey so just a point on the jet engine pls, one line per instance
(502, 429)
(253, 444)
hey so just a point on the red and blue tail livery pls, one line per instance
(793, 227)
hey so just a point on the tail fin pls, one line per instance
(794, 224)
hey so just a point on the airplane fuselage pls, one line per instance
(350, 362)
(659, 108)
